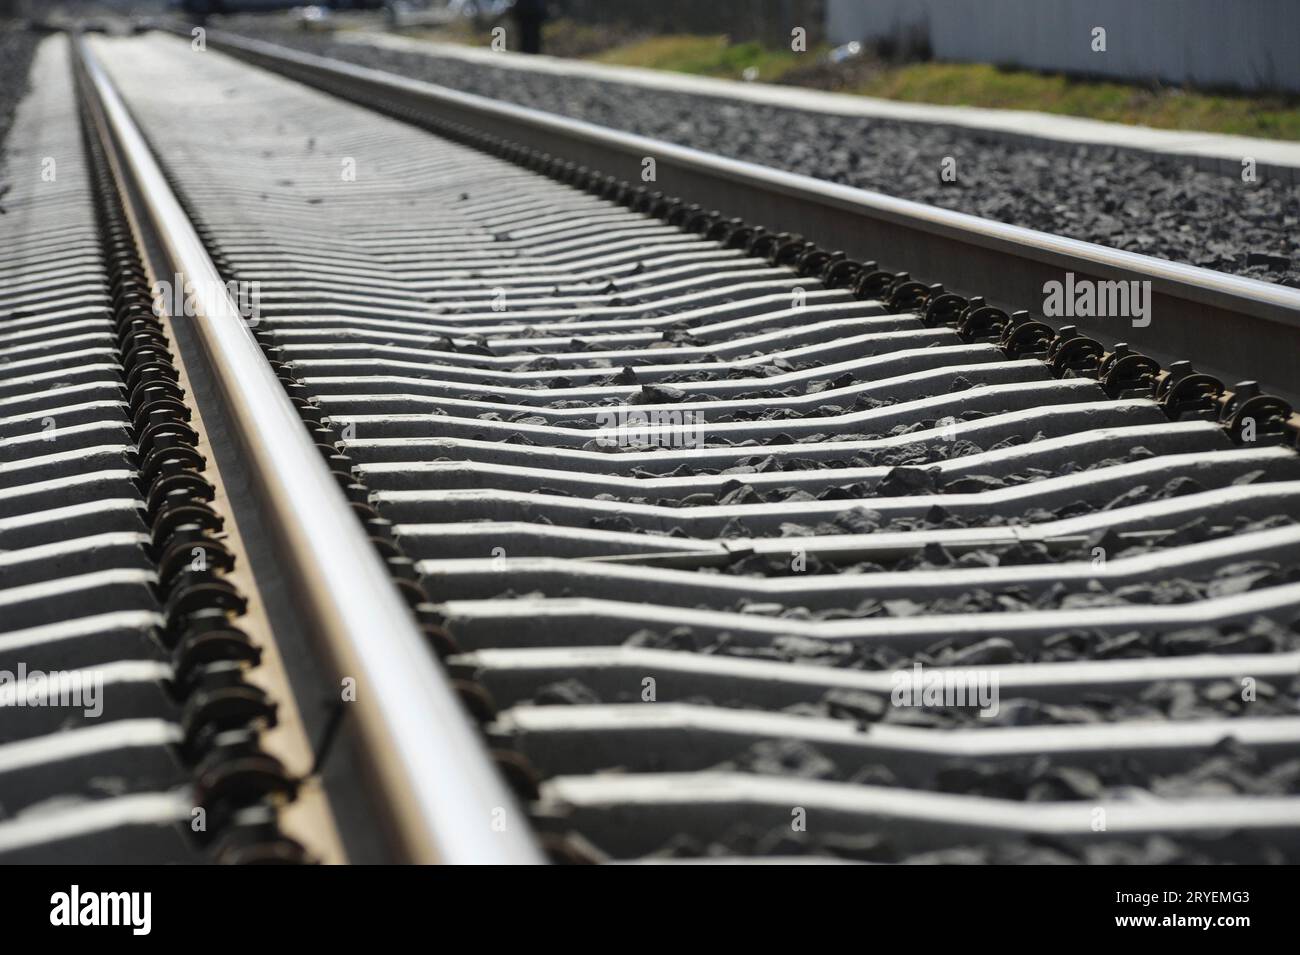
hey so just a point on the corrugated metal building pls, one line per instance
(1247, 44)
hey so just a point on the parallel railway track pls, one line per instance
(623, 521)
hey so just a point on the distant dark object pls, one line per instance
(529, 16)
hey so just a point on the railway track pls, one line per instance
(530, 511)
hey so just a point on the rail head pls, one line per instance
(1220, 321)
(433, 779)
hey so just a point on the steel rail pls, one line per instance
(431, 777)
(1224, 323)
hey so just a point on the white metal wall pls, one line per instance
(1252, 44)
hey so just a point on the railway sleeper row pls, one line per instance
(685, 504)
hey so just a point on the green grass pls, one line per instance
(979, 84)
(1273, 117)
(706, 56)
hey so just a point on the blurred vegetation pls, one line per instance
(708, 56)
(979, 84)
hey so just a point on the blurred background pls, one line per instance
(1179, 64)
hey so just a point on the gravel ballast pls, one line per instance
(1157, 206)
